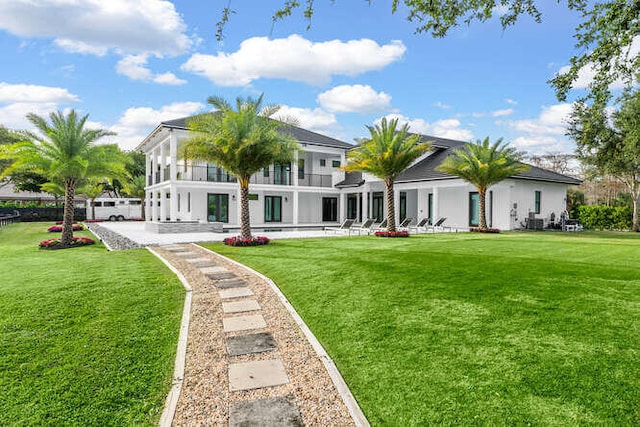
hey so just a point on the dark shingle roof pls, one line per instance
(351, 179)
(425, 169)
(302, 135)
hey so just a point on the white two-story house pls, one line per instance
(313, 192)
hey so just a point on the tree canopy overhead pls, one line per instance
(604, 39)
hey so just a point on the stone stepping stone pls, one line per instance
(243, 323)
(235, 293)
(202, 263)
(240, 306)
(274, 411)
(215, 269)
(220, 276)
(226, 284)
(187, 255)
(176, 249)
(262, 373)
(250, 344)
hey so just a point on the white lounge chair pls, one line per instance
(381, 226)
(404, 225)
(345, 226)
(366, 226)
(439, 224)
(422, 224)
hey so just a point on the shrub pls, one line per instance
(392, 234)
(75, 243)
(239, 241)
(58, 228)
(484, 230)
(596, 217)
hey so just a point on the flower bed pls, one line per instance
(392, 234)
(75, 243)
(484, 230)
(58, 228)
(239, 241)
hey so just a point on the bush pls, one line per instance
(392, 234)
(484, 230)
(58, 228)
(596, 217)
(75, 243)
(239, 241)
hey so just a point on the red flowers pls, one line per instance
(239, 241)
(58, 228)
(76, 242)
(392, 234)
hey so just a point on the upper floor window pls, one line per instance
(323, 162)
(335, 163)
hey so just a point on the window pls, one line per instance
(329, 209)
(218, 207)
(323, 162)
(265, 172)
(135, 202)
(430, 208)
(109, 204)
(188, 202)
(474, 209)
(122, 202)
(403, 205)
(178, 202)
(98, 204)
(281, 174)
(377, 206)
(216, 174)
(335, 163)
(352, 205)
(300, 168)
(538, 197)
(272, 209)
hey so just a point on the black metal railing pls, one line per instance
(8, 219)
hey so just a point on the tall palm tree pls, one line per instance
(243, 141)
(134, 186)
(386, 154)
(482, 165)
(64, 152)
(92, 189)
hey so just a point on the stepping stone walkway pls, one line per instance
(247, 335)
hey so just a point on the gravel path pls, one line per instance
(115, 241)
(205, 396)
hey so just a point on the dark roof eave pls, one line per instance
(569, 181)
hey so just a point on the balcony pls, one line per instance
(211, 174)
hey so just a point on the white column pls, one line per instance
(155, 158)
(396, 202)
(163, 160)
(148, 211)
(295, 204)
(294, 169)
(343, 207)
(148, 168)
(173, 166)
(436, 204)
(156, 205)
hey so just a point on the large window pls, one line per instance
(335, 163)
(217, 174)
(474, 209)
(430, 208)
(403, 205)
(377, 206)
(538, 199)
(272, 209)
(218, 207)
(329, 209)
(281, 174)
(300, 168)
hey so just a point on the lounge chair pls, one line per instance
(381, 226)
(404, 225)
(439, 224)
(345, 226)
(422, 224)
(367, 226)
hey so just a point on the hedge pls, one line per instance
(596, 217)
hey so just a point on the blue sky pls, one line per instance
(132, 64)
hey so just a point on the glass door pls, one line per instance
(474, 209)
(218, 207)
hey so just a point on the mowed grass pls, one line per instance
(87, 337)
(510, 329)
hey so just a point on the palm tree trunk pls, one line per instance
(245, 219)
(67, 217)
(391, 206)
(93, 209)
(483, 217)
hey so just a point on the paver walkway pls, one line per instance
(247, 364)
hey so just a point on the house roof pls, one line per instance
(351, 179)
(425, 169)
(302, 135)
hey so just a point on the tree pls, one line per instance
(482, 165)
(243, 141)
(91, 189)
(386, 154)
(604, 38)
(611, 142)
(63, 151)
(135, 187)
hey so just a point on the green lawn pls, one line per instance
(87, 337)
(509, 329)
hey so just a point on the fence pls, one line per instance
(42, 214)
(8, 219)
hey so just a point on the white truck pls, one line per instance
(114, 209)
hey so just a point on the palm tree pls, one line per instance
(386, 154)
(134, 186)
(243, 141)
(92, 189)
(64, 152)
(483, 165)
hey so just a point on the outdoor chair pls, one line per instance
(439, 224)
(366, 226)
(404, 225)
(381, 226)
(345, 226)
(422, 224)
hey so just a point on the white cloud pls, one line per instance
(293, 58)
(136, 123)
(21, 99)
(544, 133)
(354, 99)
(96, 26)
(442, 105)
(135, 67)
(316, 120)
(447, 128)
(496, 113)
(511, 101)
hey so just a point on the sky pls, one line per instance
(132, 64)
